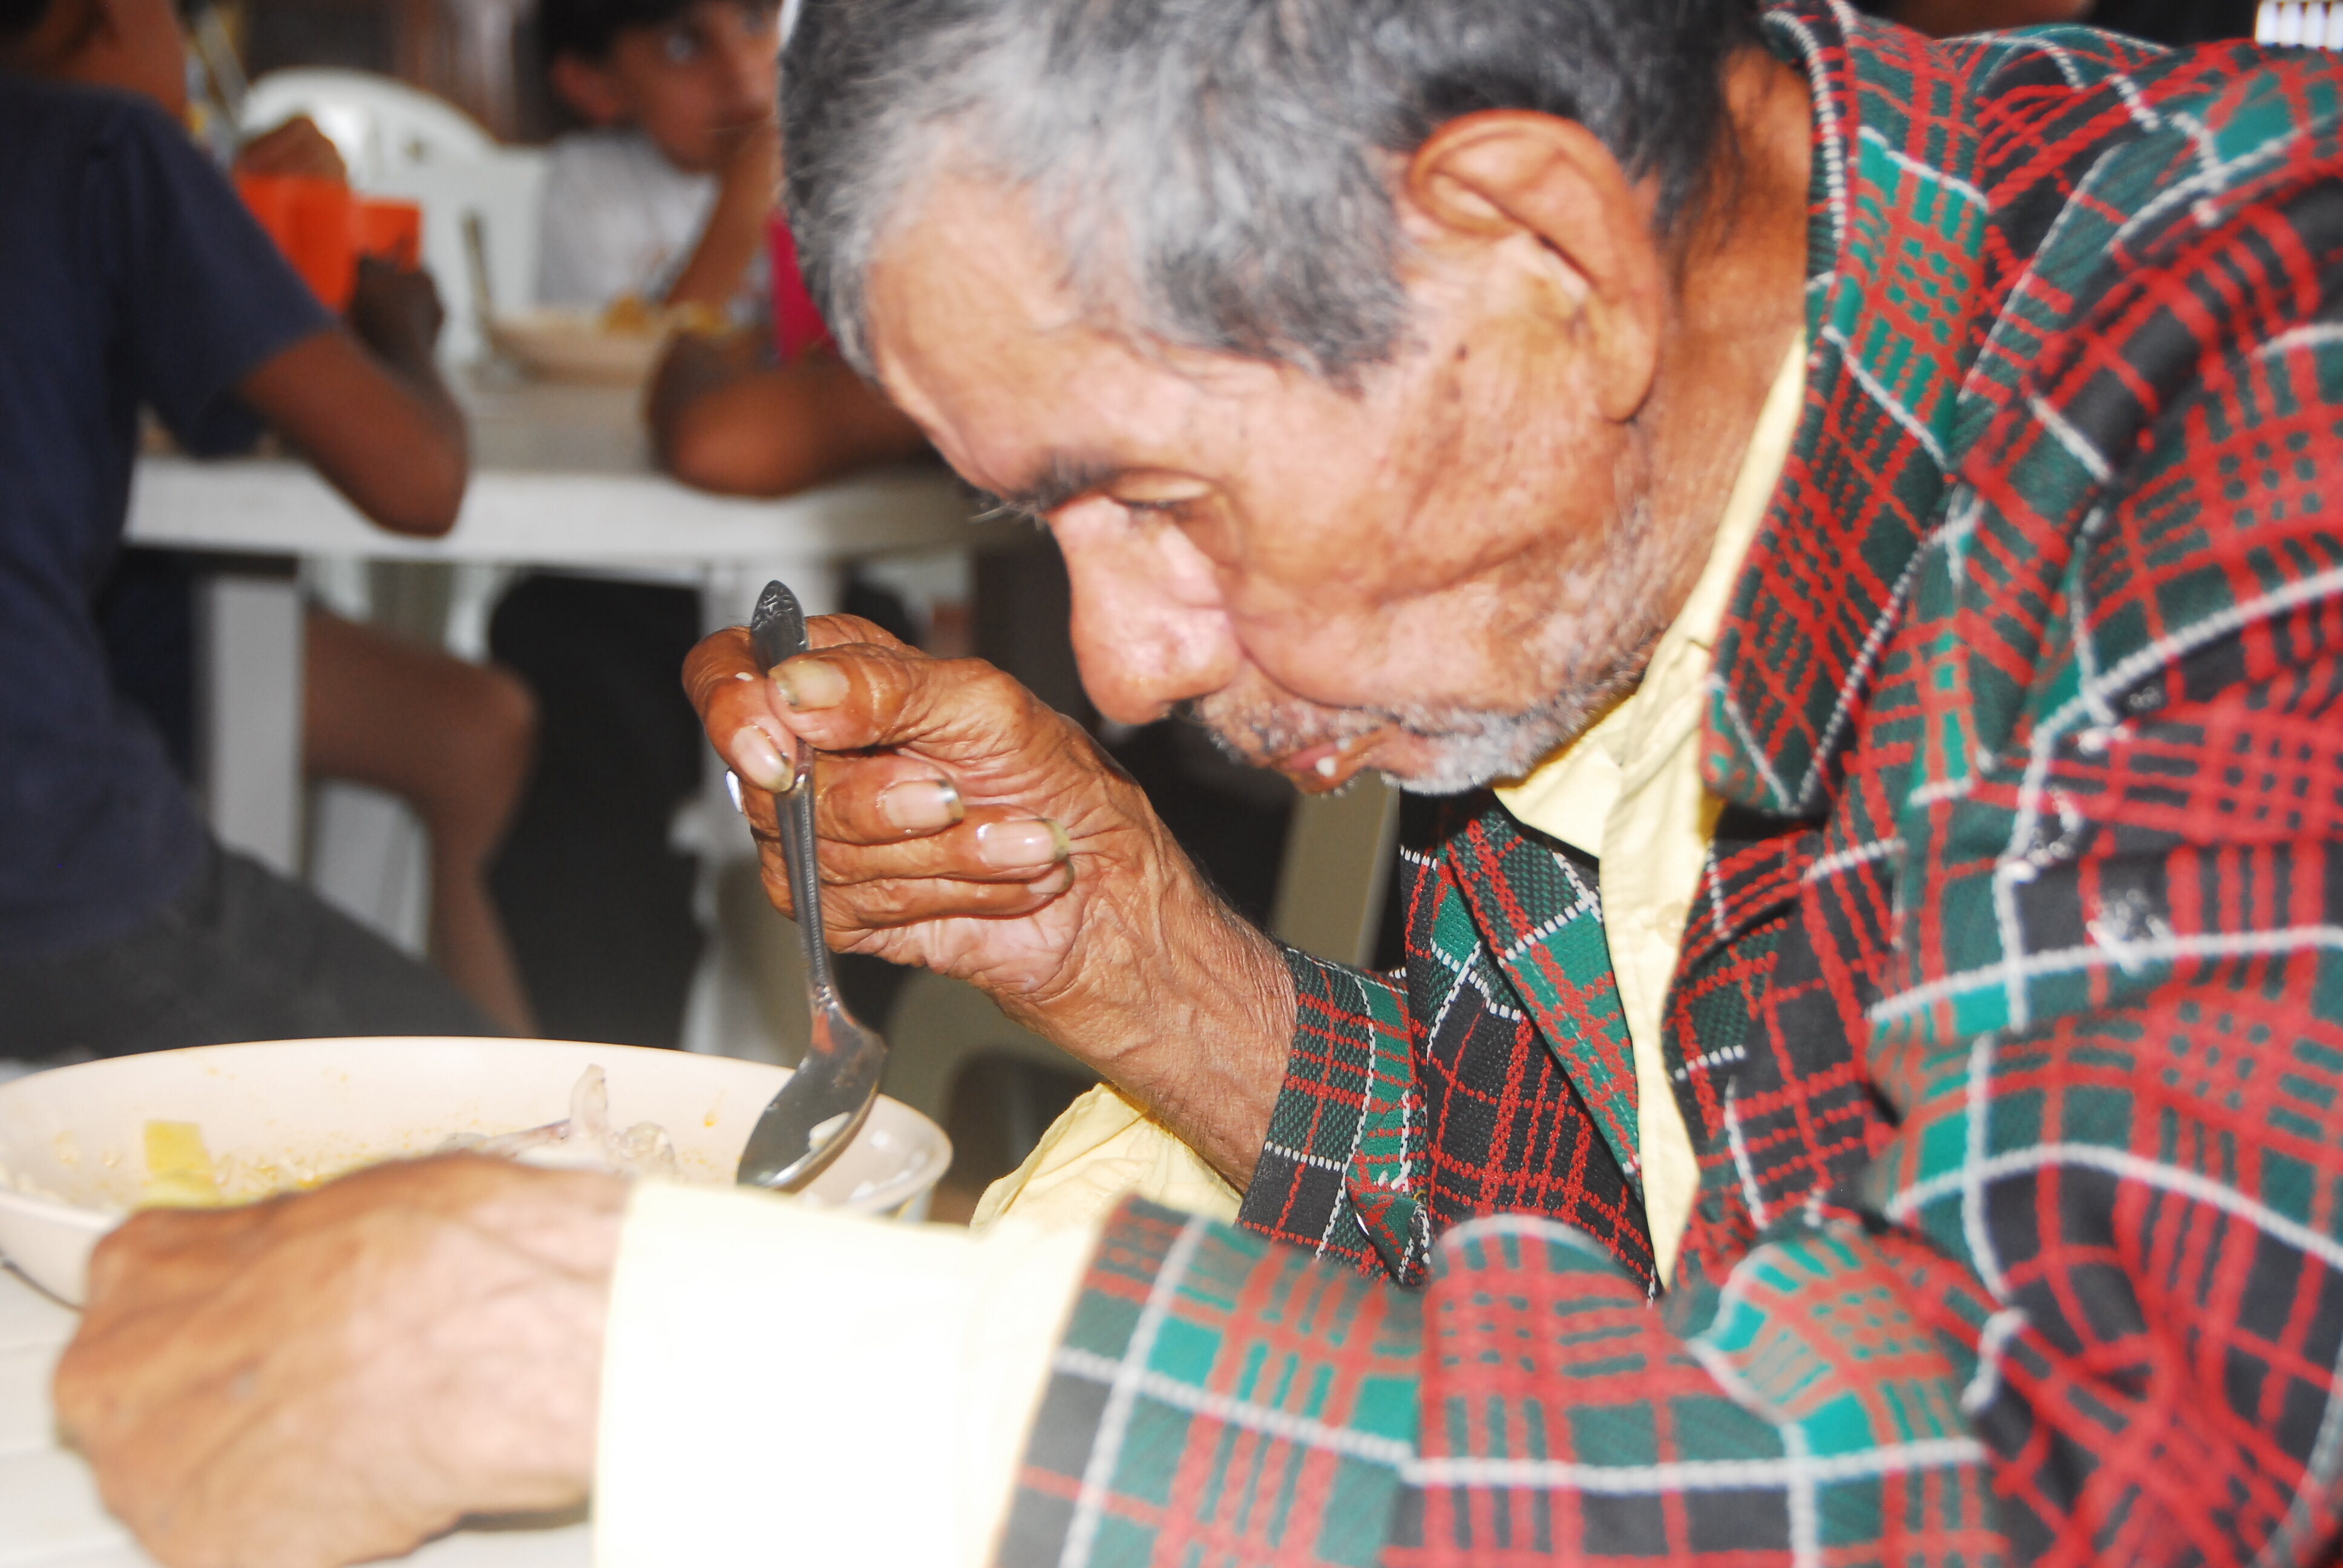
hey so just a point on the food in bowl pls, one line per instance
(617, 346)
(182, 1174)
(632, 315)
(292, 1114)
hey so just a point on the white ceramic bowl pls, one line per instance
(73, 1140)
(574, 345)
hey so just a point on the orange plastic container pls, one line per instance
(323, 228)
(390, 229)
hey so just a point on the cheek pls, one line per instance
(1333, 656)
(673, 111)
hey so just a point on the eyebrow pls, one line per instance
(1063, 480)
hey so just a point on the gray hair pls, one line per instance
(1216, 173)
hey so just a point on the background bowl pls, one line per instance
(573, 346)
(294, 1113)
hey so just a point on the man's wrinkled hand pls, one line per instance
(336, 1377)
(968, 828)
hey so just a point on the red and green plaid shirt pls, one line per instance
(2009, 1019)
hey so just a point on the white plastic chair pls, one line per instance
(378, 124)
(400, 141)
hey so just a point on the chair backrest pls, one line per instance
(400, 141)
(380, 125)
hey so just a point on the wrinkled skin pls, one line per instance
(1061, 883)
(333, 1378)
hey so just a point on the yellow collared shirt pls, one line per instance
(1629, 793)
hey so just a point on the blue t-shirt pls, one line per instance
(130, 274)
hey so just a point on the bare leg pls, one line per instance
(453, 741)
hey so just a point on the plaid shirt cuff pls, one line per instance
(1342, 1169)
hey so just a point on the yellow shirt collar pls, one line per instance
(1568, 795)
(1628, 792)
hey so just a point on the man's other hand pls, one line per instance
(968, 828)
(331, 1378)
(298, 148)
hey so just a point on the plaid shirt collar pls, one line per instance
(1895, 262)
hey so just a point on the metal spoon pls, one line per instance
(819, 1109)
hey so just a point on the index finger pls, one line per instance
(862, 696)
(728, 688)
(747, 721)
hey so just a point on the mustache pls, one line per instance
(1469, 747)
(1256, 733)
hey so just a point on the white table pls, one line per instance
(563, 478)
(50, 1516)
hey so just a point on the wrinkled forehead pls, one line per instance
(976, 330)
(967, 259)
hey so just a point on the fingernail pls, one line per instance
(810, 683)
(758, 760)
(1007, 846)
(917, 805)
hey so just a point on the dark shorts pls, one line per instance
(242, 954)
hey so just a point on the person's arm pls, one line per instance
(381, 427)
(734, 232)
(446, 1337)
(968, 828)
(721, 421)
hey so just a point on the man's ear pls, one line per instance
(1547, 189)
(590, 88)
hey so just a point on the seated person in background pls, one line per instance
(452, 739)
(668, 201)
(136, 278)
(666, 198)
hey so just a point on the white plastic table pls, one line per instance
(50, 1516)
(562, 477)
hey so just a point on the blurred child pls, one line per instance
(136, 277)
(665, 199)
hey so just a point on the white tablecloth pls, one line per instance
(50, 1516)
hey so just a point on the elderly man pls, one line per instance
(1868, 1085)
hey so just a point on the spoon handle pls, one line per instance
(805, 878)
(777, 630)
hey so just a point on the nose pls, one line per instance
(1148, 627)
